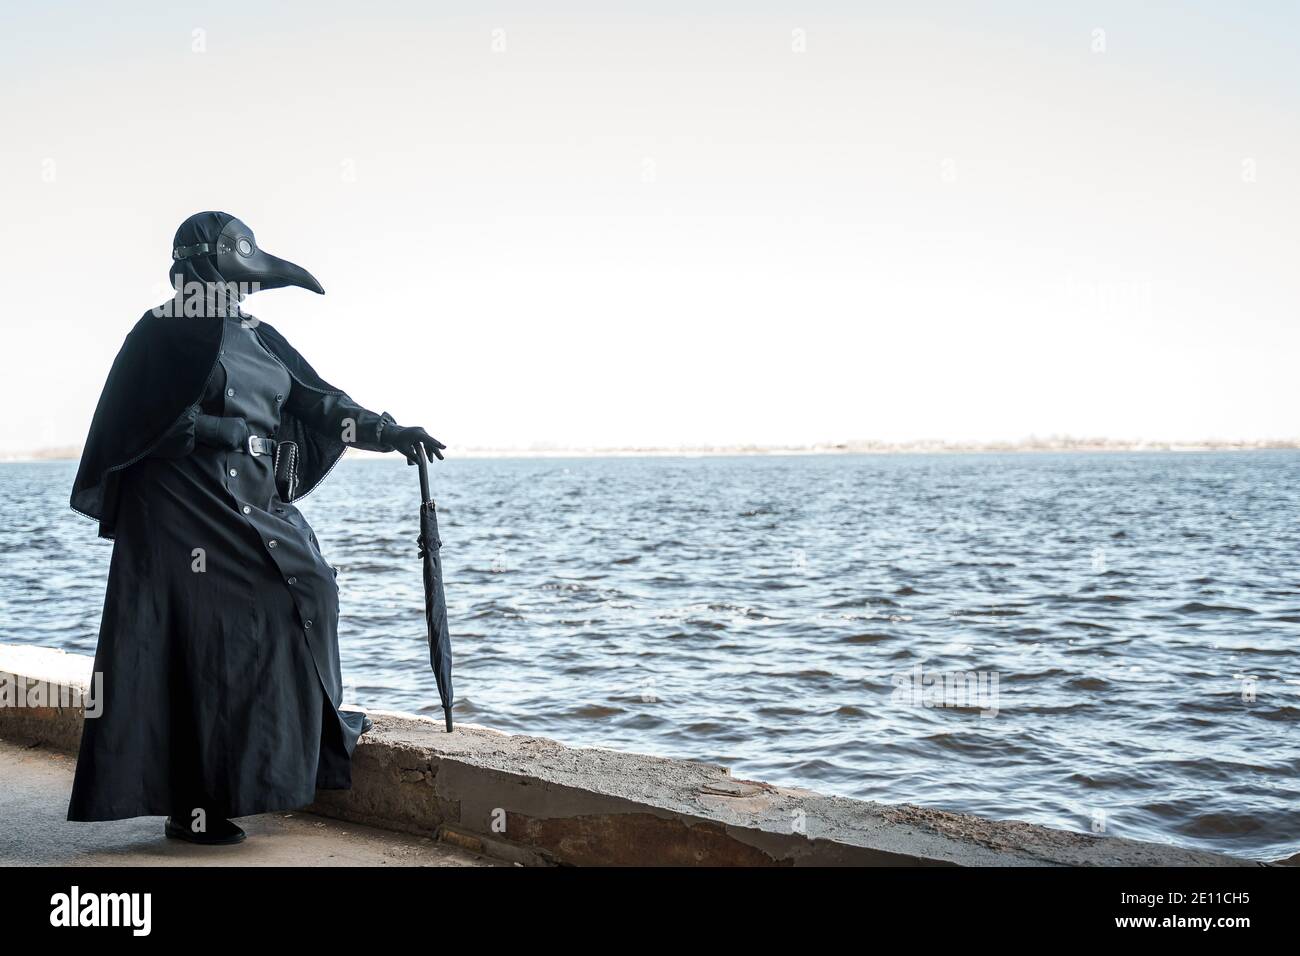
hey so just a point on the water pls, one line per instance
(1139, 612)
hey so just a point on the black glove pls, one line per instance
(222, 432)
(412, 442)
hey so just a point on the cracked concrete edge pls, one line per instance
(532, 800)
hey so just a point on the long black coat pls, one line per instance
(218, 644)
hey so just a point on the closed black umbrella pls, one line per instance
(435, 600)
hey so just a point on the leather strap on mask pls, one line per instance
(198, 249)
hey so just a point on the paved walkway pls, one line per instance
(34, 787)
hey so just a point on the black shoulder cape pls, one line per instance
(161, 371)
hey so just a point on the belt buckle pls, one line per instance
(255, 446)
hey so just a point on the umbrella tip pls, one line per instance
(447, 711)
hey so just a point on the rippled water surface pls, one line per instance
(1140, 614)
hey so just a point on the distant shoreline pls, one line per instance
(1031, 445)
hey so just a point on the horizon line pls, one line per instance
(860, 446)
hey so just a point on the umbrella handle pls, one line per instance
(424, 476)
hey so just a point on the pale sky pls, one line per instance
(631, 224)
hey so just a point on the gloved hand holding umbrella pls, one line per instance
(413, 442)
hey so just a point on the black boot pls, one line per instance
(366, 724)
(220, 832)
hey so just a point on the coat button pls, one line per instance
(293, 580)
(230, 392)
(247, 510)
(279, 398)
(272, 543)
(307, 624)
(234, 472)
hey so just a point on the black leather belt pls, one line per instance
(260, 446)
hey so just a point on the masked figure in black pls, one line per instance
(218, 646)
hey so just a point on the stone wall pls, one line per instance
(534, 801)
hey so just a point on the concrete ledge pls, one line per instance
(531, 800)
(65, 675)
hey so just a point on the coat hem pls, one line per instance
(152, 808)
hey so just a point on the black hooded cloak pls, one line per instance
(218, 646)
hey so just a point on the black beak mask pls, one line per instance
(215, 247)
